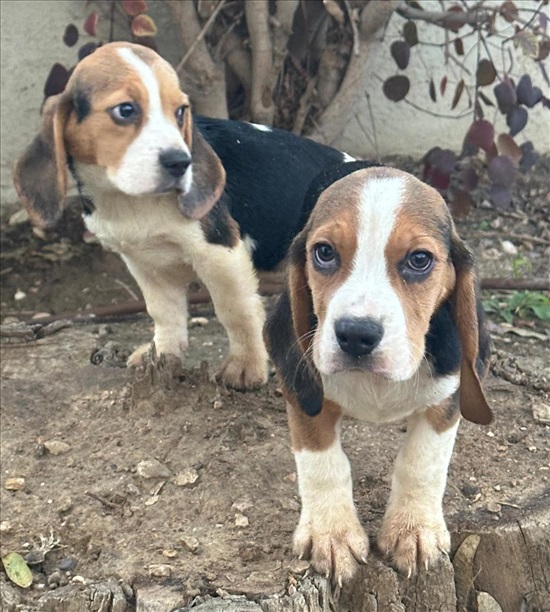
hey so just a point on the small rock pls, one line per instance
(67, 564)
(494, 507)
(64, 504)
(241, 520)
(54, 578)
(170, 553)
(152, 500)
(14, 484)
(19, 216)
(190, 543)
(198, 321)
(5, 526)
(290, 477)
(56, 447)
(541, 413)
(218, 404)
(187, 478)
(79, 579)
(152, 468)
(19, 295)
(278, 392)
(509, 247)
(160, 570)
(242, 504)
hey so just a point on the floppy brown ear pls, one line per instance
(469, 319)
(40, 175)
(208, 175)
(289, 333)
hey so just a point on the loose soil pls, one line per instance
(230, 530)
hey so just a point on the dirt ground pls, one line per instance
(193, 485)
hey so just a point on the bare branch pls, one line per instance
(474, 17)
(206, 78)
(329, 126)
(200, 36)
(257, 20)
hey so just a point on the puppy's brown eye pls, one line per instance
(325, 258)
(180, 114)
(125, 113)
(420, 261)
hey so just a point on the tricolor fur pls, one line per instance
(381, 321)
(176, 196)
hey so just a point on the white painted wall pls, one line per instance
(31, 41)
(401, 129)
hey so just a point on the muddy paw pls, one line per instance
(333, 553)
(240, 373)
(136, 358)
(413, 543)
(144, 356)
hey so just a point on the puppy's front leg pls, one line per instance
(164, 289)
(329, 531)
(231, 280)
(413, 530)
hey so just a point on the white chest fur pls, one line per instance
(143, 227)
(369, 397)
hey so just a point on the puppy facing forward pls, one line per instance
(380, 321)
(176, 196)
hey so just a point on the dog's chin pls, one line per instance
(371, 365)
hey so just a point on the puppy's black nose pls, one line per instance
(175, 162)
(358, 337)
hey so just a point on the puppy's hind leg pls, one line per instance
(165, 292)
(229, 276)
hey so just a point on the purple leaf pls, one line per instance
(56, 81)
(502, 171)
(410, 33)
(481, 134)
(516, 120)
(505, 95)
(86, 50)
(526, 93)
(529, 155)
(500, 196)
(401, 53)
(396, 87)
(486, 72)
(70, 37)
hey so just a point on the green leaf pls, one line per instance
(17, 570)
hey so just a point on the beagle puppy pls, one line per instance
(176, 196)
(381, 321)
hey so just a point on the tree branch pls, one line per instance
(474, 17)
(206, 78)
(257, 20)
(329, 126)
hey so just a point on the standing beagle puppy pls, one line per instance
(380, 321)
(175, 197)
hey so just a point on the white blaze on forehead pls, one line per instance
(140, 170)
(368, 292)
(147, 77)
(346, 157)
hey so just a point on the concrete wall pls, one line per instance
(31, 41)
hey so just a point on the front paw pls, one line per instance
(335, 549)
(243, 373)
(145, 355)
(412, 542)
